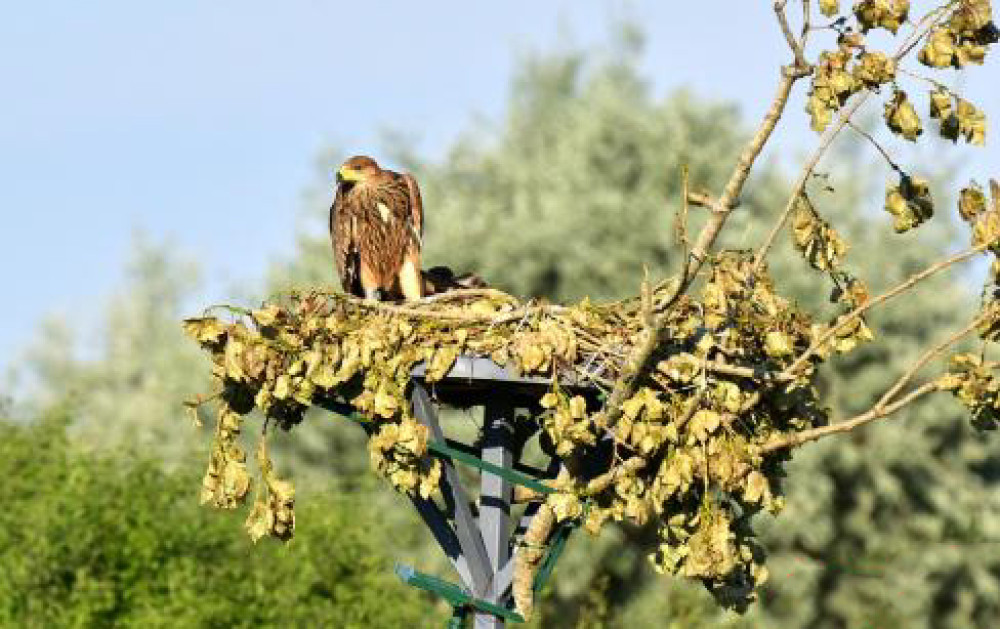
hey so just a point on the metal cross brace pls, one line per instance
(479, 548)
(456, 596)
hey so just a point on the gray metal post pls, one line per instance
(495, 495)
(502, 578)
(469, 538)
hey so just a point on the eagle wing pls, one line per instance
(345, 252)
(416, 208)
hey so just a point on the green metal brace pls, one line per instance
(555, 550)
(444, 450)
(460, 600)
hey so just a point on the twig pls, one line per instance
(694, 403)
(699, 198)
(202, 399)
(806, 23)
(681, 218)
(885, 405)
(928, 356)
(243, 312)
(800, 183)
(464, 293)
(646, 293)
(756, 373)
(845, 426)
(875, 143)
(920, 77)
(827, 138)
(725, 203)
(794, 44)
(460, 315)
(921, 28)
(627, 381)
(602, 482)
(884, 297)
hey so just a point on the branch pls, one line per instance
(806, 22)
(874, 142)
(885, 406)
(828, 136)
(794, 44)
(807, 170)
(681, 218)
(884, 297)
(467, 293)
(456, 313)
(928, 356)
(700, 199)
(693, 404)
(715, 366)
(846, 426)
(626, 383)
(734, 187)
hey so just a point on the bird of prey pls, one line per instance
(376, 224)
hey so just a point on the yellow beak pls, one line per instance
(346, 174)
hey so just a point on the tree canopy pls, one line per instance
(112, 539)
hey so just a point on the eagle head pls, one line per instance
(357, 169)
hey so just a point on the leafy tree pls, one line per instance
(94, 540)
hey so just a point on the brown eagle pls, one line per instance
(376, 224)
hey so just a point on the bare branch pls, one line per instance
(874, 142)
(902, 287)
(870, 415)
(926, 79)
(681, 219)
(646, 294)
(625, 386)
(800, 183)
(701, 199)
(885, 405)
(927, 357)
(794, 44)
(806, 23)
(828, 136)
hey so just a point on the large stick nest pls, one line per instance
(687, 450)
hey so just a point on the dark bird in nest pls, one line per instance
(441, 279)
(377, 224)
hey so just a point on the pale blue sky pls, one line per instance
(200, 121)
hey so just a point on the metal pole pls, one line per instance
(469, 537)
(495, 495)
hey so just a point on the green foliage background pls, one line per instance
(111, 539)
(570, 194)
